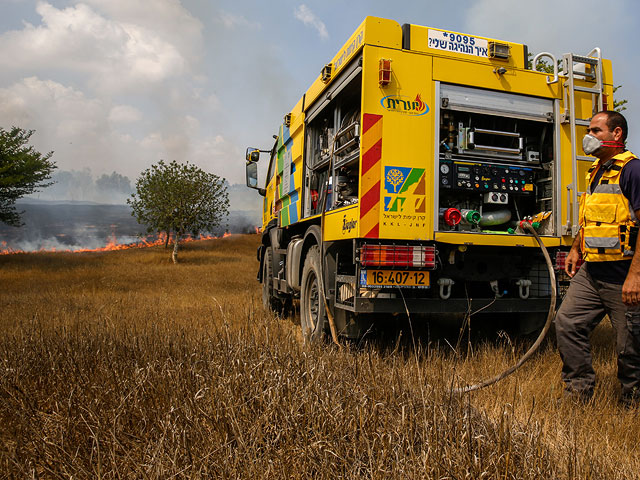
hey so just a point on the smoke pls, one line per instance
(114, 189)
(66, 243)
(81, 186)
(80, 211)
(66, 225)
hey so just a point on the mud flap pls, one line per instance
(260, 256)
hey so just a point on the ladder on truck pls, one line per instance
(589, 68)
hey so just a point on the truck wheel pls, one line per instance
(269, 299)
(313, 317)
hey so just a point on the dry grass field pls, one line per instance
(123, 365)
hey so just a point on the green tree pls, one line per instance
(114, 183)
(23, 170)
(619, 105)
(179, 198)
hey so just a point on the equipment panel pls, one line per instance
(484, 177)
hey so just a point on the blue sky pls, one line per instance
(120, 84)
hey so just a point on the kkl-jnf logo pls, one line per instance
(404, 189)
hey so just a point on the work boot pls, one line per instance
(577, 397)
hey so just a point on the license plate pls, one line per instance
(406, 278)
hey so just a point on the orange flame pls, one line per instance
(421, 104)
(112, 244)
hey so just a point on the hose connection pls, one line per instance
(495, 288)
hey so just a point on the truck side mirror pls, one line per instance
(252, 177)
(252, 154)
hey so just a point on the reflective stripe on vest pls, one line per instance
(609, 188)
(602, 242)
(603, 210)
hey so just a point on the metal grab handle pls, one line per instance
(569, 209)
(595, 53)
(496, 132)
(472, 144)
(555, 65)
(497, 149)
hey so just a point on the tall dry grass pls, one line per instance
(122, 365)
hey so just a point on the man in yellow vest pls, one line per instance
(609, 281)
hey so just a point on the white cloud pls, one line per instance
(233, 21)
(116, 55)
(213, 153)
(37, 102)
(123, 114)
(217, 154)
(65, 120)
(306, 16)
(167, 19)
(92, 132)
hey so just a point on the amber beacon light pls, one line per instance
(384, 72)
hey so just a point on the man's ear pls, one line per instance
(617, 134)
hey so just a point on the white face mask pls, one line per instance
(591, 144)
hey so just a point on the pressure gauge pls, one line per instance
(444, 168)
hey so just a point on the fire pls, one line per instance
(113, 244)
(421, 104)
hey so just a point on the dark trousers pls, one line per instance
(584, 306)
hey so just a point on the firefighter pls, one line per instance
(609, 280)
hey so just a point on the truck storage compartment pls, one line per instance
(496, 161)
(333, 129)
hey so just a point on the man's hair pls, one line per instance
(616, 119)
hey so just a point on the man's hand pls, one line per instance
(631, 290)
(631, 287)
(572, 260)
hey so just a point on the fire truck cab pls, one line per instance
(399, 181)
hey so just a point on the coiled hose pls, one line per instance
(529, 353)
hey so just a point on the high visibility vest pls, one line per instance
(606, 214)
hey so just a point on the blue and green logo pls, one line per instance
(402, 184)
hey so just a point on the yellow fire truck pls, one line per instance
(400, 179)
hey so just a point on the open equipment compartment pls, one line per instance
(333, 128)
(496, 165)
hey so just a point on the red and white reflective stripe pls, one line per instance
(407, 256)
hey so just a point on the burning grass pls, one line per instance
(123, 365)
(112, 243)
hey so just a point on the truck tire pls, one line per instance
(269, 299)
(313, 317)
